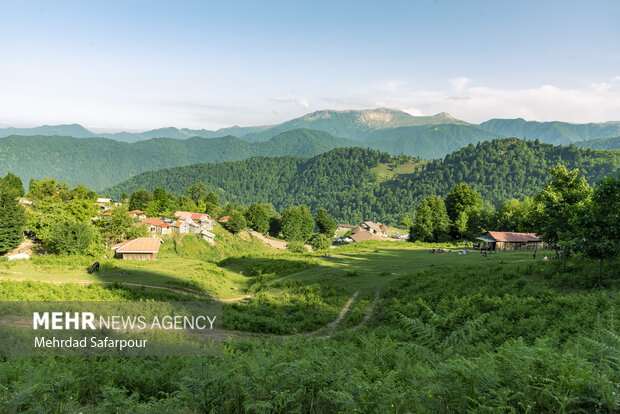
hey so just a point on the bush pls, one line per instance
(67, 237)
(320, 242)
(296, 247)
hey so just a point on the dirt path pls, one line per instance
(370, 312)
(276, 243)
(327, 330)
(183, 291)
(333, 325)
(24, 247)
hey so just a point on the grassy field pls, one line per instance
(386, 172)
(423, 333)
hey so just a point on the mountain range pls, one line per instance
(363, 125)
(75, 154)
(356, 184)
(102, 162)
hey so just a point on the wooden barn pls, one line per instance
(507, 240)
(142, 248)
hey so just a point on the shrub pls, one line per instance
(296, 247)
(320, 242)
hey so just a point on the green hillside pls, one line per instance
(602, 143)
(347, 182)
(427, 141)
(101, 162)
(558, 133)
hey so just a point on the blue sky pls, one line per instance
(138, 65)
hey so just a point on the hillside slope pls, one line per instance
(346, 180)
(101, 162)
(601, 143)
(551, 132)
(427, 141)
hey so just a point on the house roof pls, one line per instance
(136, 212)
(139, 245)
(156, 222)
(512, 237)
(224, 219)
(346, 226)
(375, 226)
(194, 216)
(357, 229)
(364, 235)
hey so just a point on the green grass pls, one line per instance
(386, 172)
(451, 333)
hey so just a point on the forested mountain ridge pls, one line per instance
(389, 130)
(345, 182)
(356, 125)
(426, 141)
(601, 143)
(555, 132)
(78, 131)
(101, 162)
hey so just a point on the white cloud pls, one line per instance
(302, 102)
(597, 103)
(460, 83)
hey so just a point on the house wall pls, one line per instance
(139, 256)
(510, 246)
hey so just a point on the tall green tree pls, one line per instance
(515, 215)
(431, 220)
(161, 198)
(48, 187)
(595, 224)
(15, 183)
(12, 217)
(462, 199)
(140, 199)
(212, 205)
(463, 206)
(236, 222)
(297, 223)
(422, 230)
(258, 216)
(197, 192)
(557, 204)
(325, 222)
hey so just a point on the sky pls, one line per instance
(139, 65)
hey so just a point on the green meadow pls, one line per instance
(370, 327)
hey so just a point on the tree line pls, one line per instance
(568, 215)
(346, 181)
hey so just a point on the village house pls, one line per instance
(137, 214)
(360, 234)
(203, 220)
(506, 240)
(104, 204)
(379, 229)
(142, 248)
(25, 201)
(157, 226)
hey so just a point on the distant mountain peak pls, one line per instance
(445, 115)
